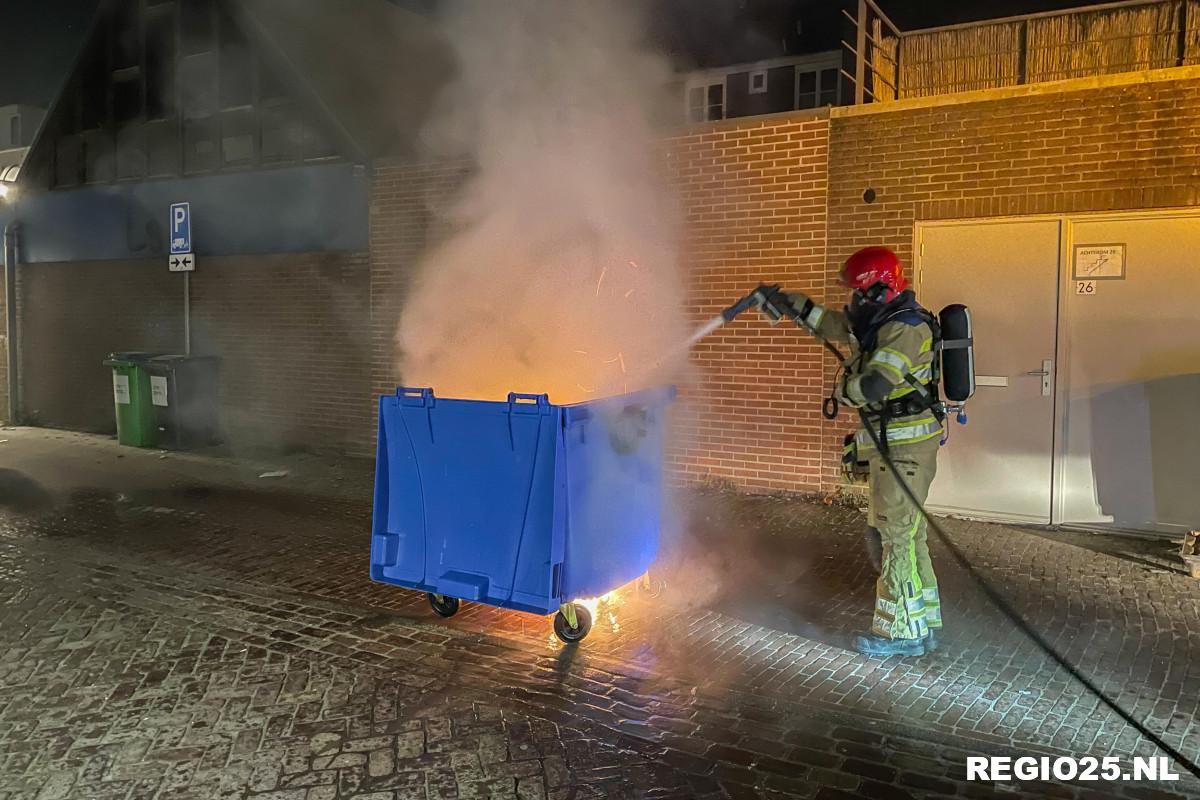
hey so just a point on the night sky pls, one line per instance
(41, 37)
(38, 42)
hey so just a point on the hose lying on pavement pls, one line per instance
(1016, 618)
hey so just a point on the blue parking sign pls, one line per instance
(181, 228)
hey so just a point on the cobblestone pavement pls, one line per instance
(174, 626)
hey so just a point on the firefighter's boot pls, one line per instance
(881, 647)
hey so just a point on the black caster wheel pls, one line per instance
(442, 605)
(563, 629)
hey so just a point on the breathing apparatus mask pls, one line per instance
(864, 303)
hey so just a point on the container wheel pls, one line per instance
(583, 625)
(442, 605)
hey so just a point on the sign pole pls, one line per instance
(187, 313)
(182, 260)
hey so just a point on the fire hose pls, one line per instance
(771, 301)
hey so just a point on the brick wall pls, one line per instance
(759, 207)
(754, 194)
(293, 334)
(71, 316)
(406, 200)
(776, 198)
(1099, 149)
(292, 330)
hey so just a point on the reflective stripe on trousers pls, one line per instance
(907, 433)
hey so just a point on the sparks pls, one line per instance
(585, 389)
(629, 292)
(582, 352)
(621, 358)
(633, 264)
(602, 273)
(592, 604)
(612, 360)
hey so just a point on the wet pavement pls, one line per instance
(176, 626)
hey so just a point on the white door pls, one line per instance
(1000, 464)
(1131, 334)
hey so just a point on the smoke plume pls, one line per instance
(561, 273)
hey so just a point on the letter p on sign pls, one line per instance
(181, 228)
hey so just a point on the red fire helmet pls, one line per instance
(872, 265)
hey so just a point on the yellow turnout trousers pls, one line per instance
(906, 593)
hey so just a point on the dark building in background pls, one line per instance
(768, 87)
(265, 119)
(749, 58)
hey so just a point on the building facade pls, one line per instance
(1014, 199)
(243, 111)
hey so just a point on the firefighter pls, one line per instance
(888, 376)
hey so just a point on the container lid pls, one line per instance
(128, 359)
(172, 359)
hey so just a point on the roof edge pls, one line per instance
(35, 145)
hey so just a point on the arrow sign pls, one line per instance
(184, 262)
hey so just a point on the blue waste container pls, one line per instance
(521, 504)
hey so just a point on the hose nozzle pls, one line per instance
(744, 304)
(767, 298)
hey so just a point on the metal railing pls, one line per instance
(874, 56)
(884, 63)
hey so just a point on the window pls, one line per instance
(315, 144)
(14, 132)
(696, 104)
(131, 152)
(200, 145)
(716, 101)
(286, 136)
(198, 86)
(274, 135)
(817, 88)
(196, 26)
(237, 67)
(126, 34)
(160, 64)
(806, 90)
(94, 91)
(706, 102)
(67, 170)
(238, 129)
(127, 100)
(271, 89)
(758, 82)
(96, 156)
(829, 87)
(162, 149)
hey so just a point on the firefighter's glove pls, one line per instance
(846, 393)
(774, 304)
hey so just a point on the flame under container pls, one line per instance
(521, 504)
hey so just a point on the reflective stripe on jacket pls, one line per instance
(873, 378)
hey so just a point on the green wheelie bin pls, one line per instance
(136, 420)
